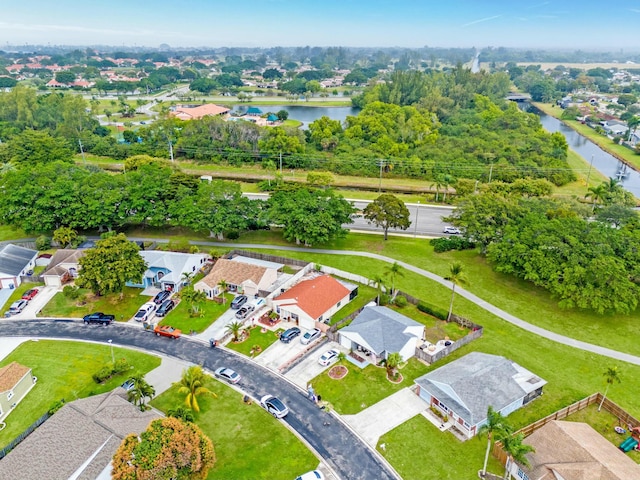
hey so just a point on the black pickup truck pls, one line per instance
(99, 317)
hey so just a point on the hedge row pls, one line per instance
(433, 310)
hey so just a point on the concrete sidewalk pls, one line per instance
(169, 372)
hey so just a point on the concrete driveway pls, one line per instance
(37, 303)
(309, 368)
(169, 372)
(386, 415)
(279, 353)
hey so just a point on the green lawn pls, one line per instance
(249, 443)
(124, 309)
(64, 371)
(8, 232)
(256, 337)
(361, 388)
(365, 295)
(180, 318)
(434, 329)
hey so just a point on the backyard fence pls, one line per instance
(623, 417)
(23, 435)
(439, 355)
(267, 257)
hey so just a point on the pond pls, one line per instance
(303, 113)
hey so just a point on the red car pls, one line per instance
(29, 294)
(167, 331)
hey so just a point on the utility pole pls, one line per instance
(82, 151)
(415, 230)
(382, 163)
(589, 174)
(281, 166)
(490, 172)
(170, 150)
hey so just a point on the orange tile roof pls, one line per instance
(11, 374)
(316, 296)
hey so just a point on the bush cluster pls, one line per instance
(433, 310)
(105, 373)
(451, 243)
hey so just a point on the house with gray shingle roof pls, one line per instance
(15, 262)
(167, 270)
(15, 382)
(79, 440)
(379, 331)
(63, 267)
(465, 388)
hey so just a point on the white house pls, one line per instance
(465, 388)
(169, 270)
(15, 262)
(241, 274)
(379, 331)
(314, 300)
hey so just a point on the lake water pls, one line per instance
(303, 113)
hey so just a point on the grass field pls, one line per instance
(64, 371)
(249, 443)
(256, 337)
(123, 308)
(180, 318)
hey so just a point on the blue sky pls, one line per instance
(405, 23)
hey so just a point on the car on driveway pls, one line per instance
(167, 331)
(29, 294)
(18, 306)
(145, 312)
(310, 336)
(274, 406)
(452, 230)
(312, 475)
(238, 302)
(289, 334)
(329, 357)
(165, 308)
(99, 317)
(128, 385)
(228, 375)
(161, 297)
(245, 311)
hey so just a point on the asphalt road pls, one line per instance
(341, 449)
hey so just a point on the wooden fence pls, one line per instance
(267, 257)
(623, 417)
(439, 355)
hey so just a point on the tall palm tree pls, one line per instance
(192, 385)
(392, 272)
(378, 282)
(141, 391)
(456, 276)
(515, 449)
(495, 426)
(447, 181)
(597, 194)
(223, 286)
(234, 328)
(186, 278)
(611, 375)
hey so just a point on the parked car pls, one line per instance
(238, 301)
(274, 406)
(245, 311)
(128, 385)
(167, 331)
(310, 336)
(29, 294)
(312, 475)
(452, 230)
(165, 308)
(161, 297)
(328, 357)
(18, 306)
(99, 317)
(145, 312)
(289, 334)
(227, 374)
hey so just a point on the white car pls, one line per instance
(328, 357)
(310, 336)
(145, 312)
(452, 230)
(312, 475)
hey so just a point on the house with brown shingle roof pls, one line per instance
(243, 277)
(63, 267)
(15, 382)
(573, 451)
(79, 440)
(314, 300)
(195, 112)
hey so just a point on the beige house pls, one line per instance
(240, 276)
(15, 382)
(573, 450)
(63, 267)
(313, 301)
(195, 112)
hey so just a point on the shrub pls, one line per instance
(55, 406)
(121, 365)
(401, 301)
(451, 243)
(384, 299)
(232, 234)
(103, 374)
(433, 310)
(71, 292)
(43, 242)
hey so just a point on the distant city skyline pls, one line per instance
(585, 24)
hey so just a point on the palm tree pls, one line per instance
(223, 286)
(393, 271)
(597, 193)
(141, 390)
(186, 278)
(378, 282)
(182, 413)
(456, 277)
(192, 385)
(612, 375)
(495, 426)
(447, 181)
(235, 328)
(393, 360)
(513, 446)
(438, 185)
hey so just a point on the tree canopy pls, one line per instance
(387, 211)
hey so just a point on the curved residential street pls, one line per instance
(343, 451)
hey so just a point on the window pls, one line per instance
(10, 395)
(339, 303)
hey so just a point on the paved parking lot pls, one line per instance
(309, 368)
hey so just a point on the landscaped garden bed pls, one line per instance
(256, 338)
(182, 318)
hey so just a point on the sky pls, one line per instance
(572, 24)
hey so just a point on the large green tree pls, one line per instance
(110, 264)
(387, 211)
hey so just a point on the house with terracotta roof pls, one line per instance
(63, 267)
(195, 112)
(465, 388)
(242, 275)
(79, 441)
(314, 301)
(573, 450)
(15, 262)
(15, 382)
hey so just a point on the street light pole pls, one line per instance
(589, 174)
(113, 359)
(415, 229)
